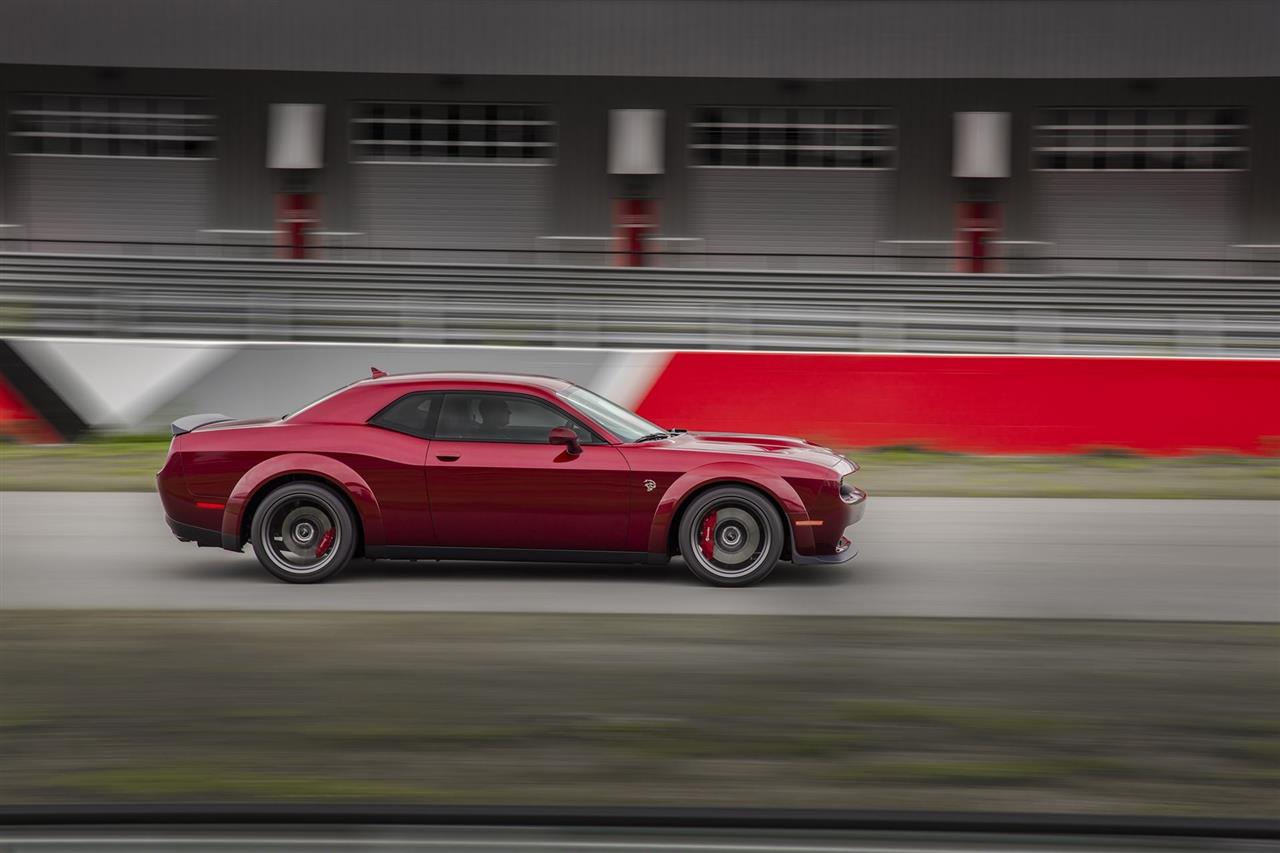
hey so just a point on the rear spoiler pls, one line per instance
(184, 425)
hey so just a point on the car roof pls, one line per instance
(547, 383)
(351, 402)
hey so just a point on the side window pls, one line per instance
(413, 414)
(503, 417)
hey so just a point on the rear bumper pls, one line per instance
(203, 537)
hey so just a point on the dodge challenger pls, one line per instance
(457, 466)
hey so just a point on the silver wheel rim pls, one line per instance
(294, 532)
(731, 539)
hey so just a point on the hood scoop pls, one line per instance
(768, 442)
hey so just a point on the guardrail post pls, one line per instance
(1199, 335)
(887, 334)
(100, 312)
(558, 328)
(271, 315)
(428, 312)
(1038, 331)
(404, 319)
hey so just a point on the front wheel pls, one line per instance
(303, 533)
(731, 536)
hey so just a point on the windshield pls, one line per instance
(623, 423)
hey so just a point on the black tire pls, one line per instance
(731, 536)
(290, 526)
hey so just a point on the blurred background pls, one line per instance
(1019, 258)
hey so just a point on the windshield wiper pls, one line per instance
(653, 436)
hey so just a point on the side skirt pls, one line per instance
(513, 555)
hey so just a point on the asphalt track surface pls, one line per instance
(959, 557)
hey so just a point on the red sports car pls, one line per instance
(447, 466)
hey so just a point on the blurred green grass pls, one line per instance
(129, 463)
(938, 714)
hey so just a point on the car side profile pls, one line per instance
(456, 466)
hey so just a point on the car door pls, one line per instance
(495, 481)
(394, 466)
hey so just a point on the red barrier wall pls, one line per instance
(978, 404)
(19, 421)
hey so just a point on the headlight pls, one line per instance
(850, 493)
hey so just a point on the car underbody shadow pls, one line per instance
(383, 570)
(246, 568)
(675, 572)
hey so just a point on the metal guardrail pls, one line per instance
(375, 302)
(1005, 256)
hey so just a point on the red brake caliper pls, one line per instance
(707, 540)
(325, 543)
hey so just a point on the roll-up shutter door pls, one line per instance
(114, 198)
(454, 206)
(1141, 215)
(791, 210)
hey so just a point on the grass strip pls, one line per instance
(515, 709)
(130, 463)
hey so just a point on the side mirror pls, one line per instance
(567, 437)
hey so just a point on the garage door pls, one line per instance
(1160, 215)
(94, 167)
(453, 175)
(1159, 183)
(791, 181)
(463, 206)
(790, 211)
(107, 198)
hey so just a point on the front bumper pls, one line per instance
(829, 559)
(824, 535)
(856, 503)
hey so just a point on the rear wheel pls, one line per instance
(303, 533)
(731, 536)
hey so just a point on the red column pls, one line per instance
(634, 220)
(977, 225)
(296, 216)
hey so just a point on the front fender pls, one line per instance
(340, 475)
(745, 473)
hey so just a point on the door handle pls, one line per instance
(448, 457)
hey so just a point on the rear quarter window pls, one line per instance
(413, 414)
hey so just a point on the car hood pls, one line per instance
(771, 446)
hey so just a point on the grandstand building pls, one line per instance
(779, 133)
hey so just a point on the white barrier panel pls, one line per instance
(141, 386)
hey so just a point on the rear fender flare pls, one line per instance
(339, 475)
(743, 473)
